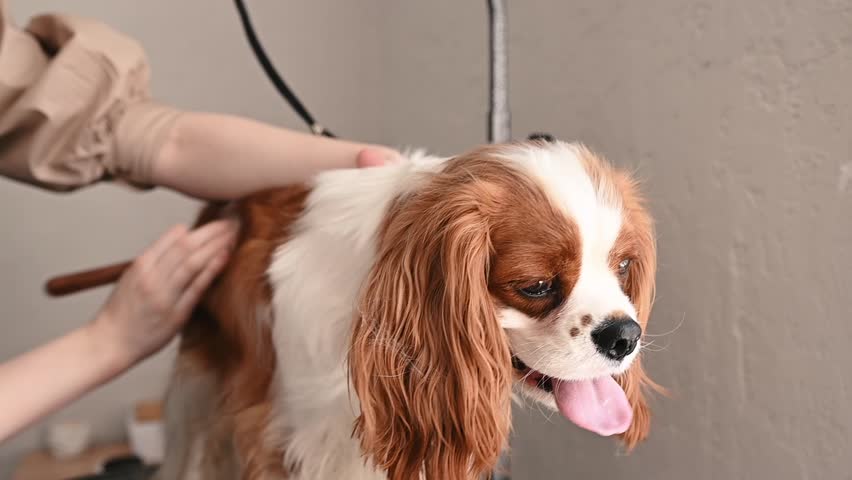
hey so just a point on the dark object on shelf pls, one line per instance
(123, 468)
(542, 136)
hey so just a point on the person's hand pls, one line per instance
(377, 156)
(156, 295)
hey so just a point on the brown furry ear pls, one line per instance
(640, 288)
(429, 361)
(634, 382)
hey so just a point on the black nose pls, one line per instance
(617, 338)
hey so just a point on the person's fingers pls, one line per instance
(192, 294)
(376, 157)
(190, 266)
(189, 243)
(153, 253)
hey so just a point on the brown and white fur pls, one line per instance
(367, 324)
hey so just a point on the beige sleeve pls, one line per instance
(74, 104)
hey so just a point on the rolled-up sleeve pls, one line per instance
(74, 104)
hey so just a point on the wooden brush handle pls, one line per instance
(78, 281)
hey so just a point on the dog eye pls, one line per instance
(540, 289)
(623, 266)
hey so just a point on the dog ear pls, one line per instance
(639, 287)
(429, 361)
(634, 382)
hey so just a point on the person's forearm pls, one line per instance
(49, 377)
(224, 157)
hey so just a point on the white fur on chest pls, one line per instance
(316, 278)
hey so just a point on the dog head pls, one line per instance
(525, 266)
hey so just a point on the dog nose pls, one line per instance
(617, 338)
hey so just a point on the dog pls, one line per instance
(377, 323)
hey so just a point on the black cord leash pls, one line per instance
(274, 76)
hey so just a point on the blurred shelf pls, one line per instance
(41, 465)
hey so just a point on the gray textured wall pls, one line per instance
(738, 115)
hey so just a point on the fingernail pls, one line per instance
(393, 158)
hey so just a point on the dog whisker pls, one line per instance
(673, 330)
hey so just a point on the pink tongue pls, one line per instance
(598, 405)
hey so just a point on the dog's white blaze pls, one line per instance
(549, 347)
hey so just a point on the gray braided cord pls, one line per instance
(499, 128)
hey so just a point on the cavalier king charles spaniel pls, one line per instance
(376, 323)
